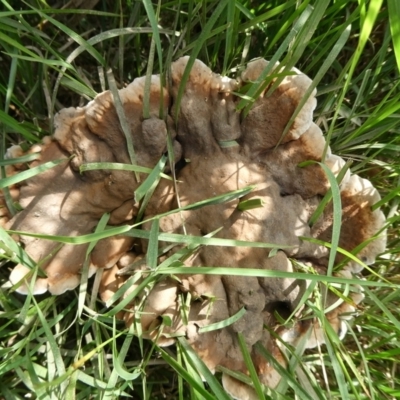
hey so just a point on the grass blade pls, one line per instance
(22, 176)
(394, 12)
(223, 324)
(200, 367)
(186, 376)
(122, 118)
(250, 366)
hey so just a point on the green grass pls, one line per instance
(72, 346)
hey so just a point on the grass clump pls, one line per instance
(55, 56)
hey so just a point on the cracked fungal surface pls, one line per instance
(220, 150)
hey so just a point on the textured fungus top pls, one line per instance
(61, 201)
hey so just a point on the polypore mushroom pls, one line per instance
(63, 202)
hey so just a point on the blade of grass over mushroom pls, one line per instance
(127, 230)
(147, 195)
(151, 180)
(250, 204)
(85, 270)
(199, 366)
(122, 118)
(20, 160)
(204, 35)
(223, 324)
(129, 296)
(119, 166)
(253, 272)
(182, 254)
(194, 240)
(220, 199)
(202, 240)
(240, 376)
(286, 375)
(122, 290)
(223, 198)
(350, 256)
(250, 367)
(337, 213)
(328, 196)
(305, 296)
(22, 176)
(356, 250)
(152, 251)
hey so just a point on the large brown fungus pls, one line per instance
(61, 201)
(221, 150)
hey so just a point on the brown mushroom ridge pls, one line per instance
(63, 202)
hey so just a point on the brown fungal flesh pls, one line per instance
(62, 201)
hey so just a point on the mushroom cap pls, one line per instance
(290, 194)
(222, 150)
(63, 201)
